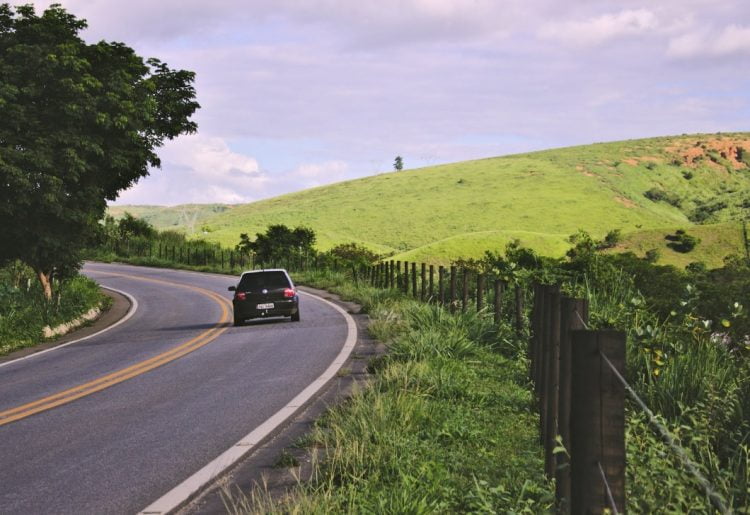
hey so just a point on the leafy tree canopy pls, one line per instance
(130, 226)
(354, 255)
(279, 242)
(78, 124)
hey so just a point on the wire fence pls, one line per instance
(582, 414)
(578, 374)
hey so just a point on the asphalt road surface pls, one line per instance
(112, 423)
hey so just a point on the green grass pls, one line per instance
(717, 242)
(24, 311)
(442, 213)
(446, 425)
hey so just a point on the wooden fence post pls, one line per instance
(498, 301)
(465, 290)
(406, 277)
(453, 289)
(414, 279)
(432, 283)
(423, 276)
(480, 292)
(441, 285)
(573, 315)
(536, 354)
(552, 381)
(392, 276)
(597, 421)
(519, 310)
(542, 364)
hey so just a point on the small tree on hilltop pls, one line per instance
(398, 164)
(78, 124)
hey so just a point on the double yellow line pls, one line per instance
(82, 390)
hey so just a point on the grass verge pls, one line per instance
(445, 426)
(24, 312)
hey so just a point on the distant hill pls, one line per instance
(187, 218)
(646, 188)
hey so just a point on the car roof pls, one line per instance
(265, 270)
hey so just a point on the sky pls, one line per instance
(301, 93)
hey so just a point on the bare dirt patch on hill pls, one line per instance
(718, 152)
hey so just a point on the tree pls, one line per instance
(130, 226)
(278, 243)
(398, 164)
(78, 124)
(354, 255)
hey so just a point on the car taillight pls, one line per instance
(288, 293)
(240, 295)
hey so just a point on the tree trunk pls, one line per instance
(44, 279)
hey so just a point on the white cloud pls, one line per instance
(309, 175)
(200, 169)
(732, 40)
(302, 93)
(597, 30)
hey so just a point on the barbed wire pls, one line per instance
(715, 498)
(610, 497)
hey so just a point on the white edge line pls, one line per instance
(130, 313)
(176, 497)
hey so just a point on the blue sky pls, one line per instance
(299, 93)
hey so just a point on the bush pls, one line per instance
(611, 239)
(704, 211)
(652, 255)
(659, 195)
(682, 241)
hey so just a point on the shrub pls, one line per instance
(611, 239)
(682, 241)
(652, 255)
(704, 211)
(659, 195)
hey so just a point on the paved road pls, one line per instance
(119, 448)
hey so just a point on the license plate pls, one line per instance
(265, 306)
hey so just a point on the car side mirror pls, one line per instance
(232, 288)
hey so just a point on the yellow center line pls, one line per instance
(111, 379)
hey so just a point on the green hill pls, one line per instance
(646, 188)
(188, 218)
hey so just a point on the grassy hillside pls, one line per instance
(188, 218)
(443, 212)
(717, 241)
(646, 188)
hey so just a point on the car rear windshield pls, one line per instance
(260, 280)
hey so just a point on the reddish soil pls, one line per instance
(626, 202)
(693, 152)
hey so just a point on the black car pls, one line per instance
(265, 293)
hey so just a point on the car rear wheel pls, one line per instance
(295, 317)
(238, 321)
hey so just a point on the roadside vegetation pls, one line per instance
(397, 446)
(688, 359)
(446, 425)
(25, 312)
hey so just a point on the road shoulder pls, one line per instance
(260, 469)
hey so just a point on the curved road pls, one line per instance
(112, 423)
